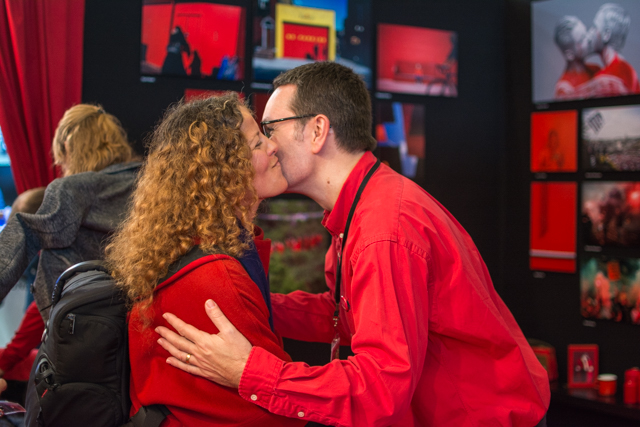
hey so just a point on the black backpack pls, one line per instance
(81, 373)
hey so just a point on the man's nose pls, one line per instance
(272, 147)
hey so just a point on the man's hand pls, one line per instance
(3, 385)
(220, 358)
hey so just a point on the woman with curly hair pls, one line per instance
(189, 237)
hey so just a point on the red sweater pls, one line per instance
(17, 358)
(434, 344)
(192, 400)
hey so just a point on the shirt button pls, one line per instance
(341, 235)
(254, 397)
(301, 414)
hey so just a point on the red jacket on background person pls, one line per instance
(195, 401)
(17, 358)
(434, 344)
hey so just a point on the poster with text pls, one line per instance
(289, 33)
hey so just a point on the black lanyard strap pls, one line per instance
(336, 314)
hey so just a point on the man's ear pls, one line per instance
(321, 131)
(606, 35)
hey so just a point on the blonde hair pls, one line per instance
(89, 139)
(196, 187)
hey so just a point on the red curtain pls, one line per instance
(40, 78)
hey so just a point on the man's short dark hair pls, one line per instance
(337, 92)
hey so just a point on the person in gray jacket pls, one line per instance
(79, 210)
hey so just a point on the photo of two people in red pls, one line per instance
(614, 76)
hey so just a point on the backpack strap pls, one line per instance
(81, 267)
(194, 254)
(148, 416)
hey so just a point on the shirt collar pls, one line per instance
(336, 220)
(120, 167)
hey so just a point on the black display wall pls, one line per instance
(464, 136)
(547, 305)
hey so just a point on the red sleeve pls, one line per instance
(193, 400)
(375, 386)
(27, 338)
(309, 317)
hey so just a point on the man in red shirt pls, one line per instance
(606, 38)
(434, 344)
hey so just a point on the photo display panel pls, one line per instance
(584, 49)
(415, 60)
(611, 213)
(611, 138)
(400, 132)
(287, 34)
(554, 141)
(552, 241)
(202, 40)
(610, 289)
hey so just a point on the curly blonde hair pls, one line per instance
(196, 187)
(89, 139)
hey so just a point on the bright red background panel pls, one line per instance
(397, 43)
(553, 226)
(565, 124)
(259, 102)
(214, 30)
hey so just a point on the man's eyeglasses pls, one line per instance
(267, 131)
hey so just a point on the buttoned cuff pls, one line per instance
(258, 380)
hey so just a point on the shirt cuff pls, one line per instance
(258, 380)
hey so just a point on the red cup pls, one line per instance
(631, 386)
(607, 384)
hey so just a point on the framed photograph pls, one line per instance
(418, 61)
(289, 33)
(584, 49)
(554, 141)
(609, 289)
(611, 213)
(582, 369)
(194, 39)
(547, 358)
(552, 232)
(611, 138)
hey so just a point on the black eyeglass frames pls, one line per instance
(267, 131)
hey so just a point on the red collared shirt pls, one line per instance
(434, 344)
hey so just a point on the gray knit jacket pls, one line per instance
(77, 214)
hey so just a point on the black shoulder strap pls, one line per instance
(192, 255)
(153, 415)
(81, 267)
(148, 416)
